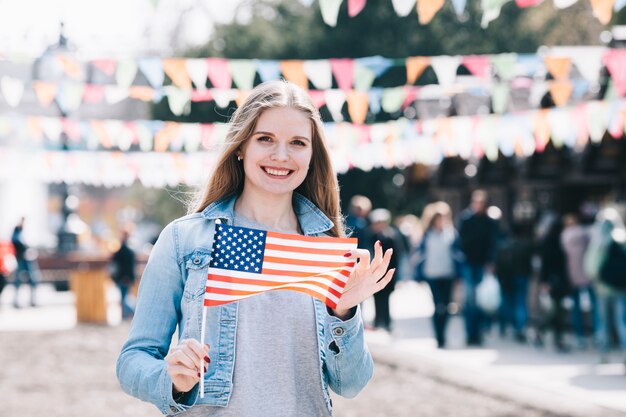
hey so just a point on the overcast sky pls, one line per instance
(107, 28)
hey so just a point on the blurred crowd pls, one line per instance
(559, 281)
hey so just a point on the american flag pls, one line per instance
(245, 262)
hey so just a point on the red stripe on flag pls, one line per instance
(313, 239)
(304, 262)
(299, 273)
(274, 246)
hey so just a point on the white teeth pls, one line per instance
(278, 172)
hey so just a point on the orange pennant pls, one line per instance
(415, 66)
(558, 66)
(176, 69)
(71, 67)
(165, 136)
(560, 91)
(141, 92)
(46, 92)
(101, 132)
(542, 130)
(357, 106)
(35, 129)
(427, 9)
(603, 10)
(294, 71)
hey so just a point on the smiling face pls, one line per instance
(277, 155)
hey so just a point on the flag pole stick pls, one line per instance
(202, 335)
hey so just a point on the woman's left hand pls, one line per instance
(367, 278)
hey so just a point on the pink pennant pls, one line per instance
(219, 73)
(93, 93)
(355, 7)
(318, 97)
(615, 61)
(206, 130)
(105, 65)
(342, 70)
(71, 129)
(410, 96)
(201, 95)
(582, 124)
(478, 65)
(363, 133)
(527, 3)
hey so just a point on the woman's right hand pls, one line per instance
(183, 364)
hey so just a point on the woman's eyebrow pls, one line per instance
(261, 132)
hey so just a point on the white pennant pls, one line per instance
(223, 96)
(198, 70)
(445, 67)
(403, 7)
(114, 94)
(52, 128)
(152, 69)
(588, 60)
(178, 99)
(330, 11)
(563, 4)
(320, 73)
(70, 96)
(12, 90)
(334, 101)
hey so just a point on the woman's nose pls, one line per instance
(280, 153)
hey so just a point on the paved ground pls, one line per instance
(51, 366)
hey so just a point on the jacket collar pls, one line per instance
(312, 220)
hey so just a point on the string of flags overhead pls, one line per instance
(566, 74)
(427, 9)
(115, 153)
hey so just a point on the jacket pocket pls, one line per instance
(196, 268)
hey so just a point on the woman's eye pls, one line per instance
(264, 139)
(299, 142)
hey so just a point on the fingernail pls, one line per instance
(377, 243)
(207, 359)
(198, 374)
(393, 270)
(347, 254)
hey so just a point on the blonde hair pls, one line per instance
(320, 185)
(434, 210)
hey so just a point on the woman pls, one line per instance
(278, 352)
(439, 263)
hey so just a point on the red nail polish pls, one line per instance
(347, 254)
(207, 359)
(377, 243)
(198, 374)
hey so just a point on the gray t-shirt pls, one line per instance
(277, 370)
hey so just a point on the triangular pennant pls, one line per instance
(504, 65)
(141, 92)
(219, 73)
(375, 97)
(114, 94)
(615, 61)
(355, 7)
(478, 65)
(71, 66)
(294, 71)
(527, 3)
(191, 134)
(588, 61)
(357, 106)
(597, 120)
(243, 72)
(330, 11)
(318, 97)
(12, 90)
(602, 10)
(564, 4)
(528, 65)
(403, 7)
(537, 90)
(98, 127)
(242, 95)
(392, 99)
(335, 100)
(126, 72)
(223, 97)
(491, 10)
(410, 94)
(52, 128)
(560, 91)
(415, 66)
(201, 95)
(500, 97)
(69, 96)
(45, 92)
(107, 66)
(71, 128)
(542, 130)
(445, 67)
(93, 94)
(319, 73)
(152, 69)
(363, 77)
(35, 130)
(198, 70)
(144, 136)
(427, 9)
(558, 66)
(178, 99)
(269, 70)
(176, 69)
(459, 7)
(343, 72)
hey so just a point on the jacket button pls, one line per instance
(196, 261)
(338, 331)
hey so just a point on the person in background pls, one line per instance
(123, 265)
(575, 239)
(26, 269)
(439, 263)
(554, 282)
(478, 234)
(513, 267)
(381, 232)
(357, 218)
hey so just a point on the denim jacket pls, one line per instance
(171, 294)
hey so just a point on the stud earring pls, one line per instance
(239, 158)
